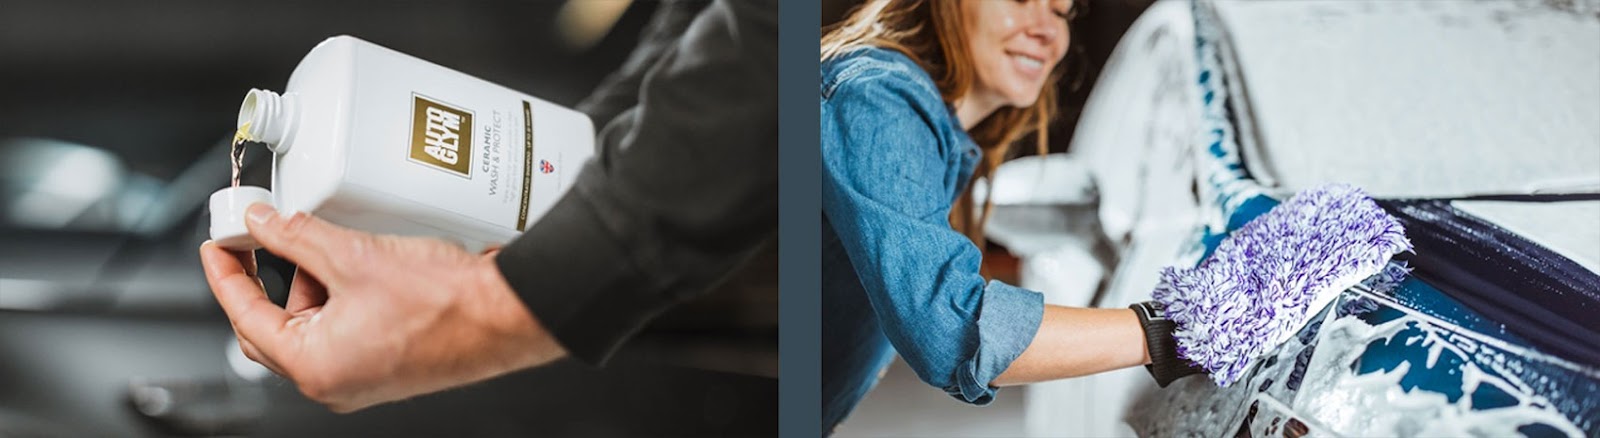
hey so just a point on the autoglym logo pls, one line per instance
(441, 136)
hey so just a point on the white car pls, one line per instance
(1476, 123)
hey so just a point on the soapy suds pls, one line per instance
(1336, 399)
(1377, 402)
(236, 152)
(1474, 338)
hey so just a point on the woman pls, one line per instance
(918, 98)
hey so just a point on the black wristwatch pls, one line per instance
(1165, 365)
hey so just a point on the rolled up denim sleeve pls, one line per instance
(887, 192)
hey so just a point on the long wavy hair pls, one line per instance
(930, 33)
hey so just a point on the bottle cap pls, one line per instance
(227, 216)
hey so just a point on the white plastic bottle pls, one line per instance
(377, 140)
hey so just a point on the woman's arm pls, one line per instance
(888, 180)
(1075, 341)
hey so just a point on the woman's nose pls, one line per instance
(1043, 24)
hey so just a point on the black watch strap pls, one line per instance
(1165, 365)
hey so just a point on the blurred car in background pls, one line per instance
(1477, 124)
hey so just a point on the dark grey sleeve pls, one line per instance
(619, 91)
(682, 191)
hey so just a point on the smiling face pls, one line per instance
(1014, 45)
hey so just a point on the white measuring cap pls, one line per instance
(227, 216)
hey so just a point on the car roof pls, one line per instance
(1418, 98)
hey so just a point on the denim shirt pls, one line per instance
(894, 160)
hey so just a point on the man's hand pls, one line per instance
(374, 318)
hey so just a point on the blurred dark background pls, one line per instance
(113, 122)
(153, 82)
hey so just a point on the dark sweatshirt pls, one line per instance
(682, 191)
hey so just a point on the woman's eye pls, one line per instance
(1068, 11)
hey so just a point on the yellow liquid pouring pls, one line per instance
(236, 153)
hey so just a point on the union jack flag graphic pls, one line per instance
(546, 167)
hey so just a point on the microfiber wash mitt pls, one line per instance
(1263, 281)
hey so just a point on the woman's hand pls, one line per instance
(374, 318)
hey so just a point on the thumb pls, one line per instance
(312, 243)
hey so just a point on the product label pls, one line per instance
(527, 164)
(436, 139)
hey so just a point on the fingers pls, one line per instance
(254, 317)
(309, 242)
(253, 353)
(248, 260)
(305, 292)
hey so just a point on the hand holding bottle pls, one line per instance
(374, 318)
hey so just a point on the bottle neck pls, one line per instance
(269, 116)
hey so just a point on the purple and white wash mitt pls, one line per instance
(1262, 282)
